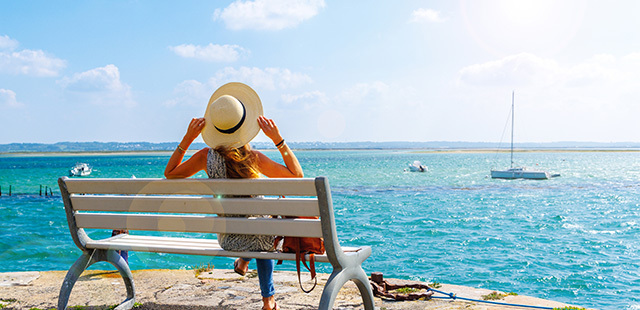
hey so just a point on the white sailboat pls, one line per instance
(519, 172)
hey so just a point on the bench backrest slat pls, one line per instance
(196, 204)
(271, 187)
(201, 224)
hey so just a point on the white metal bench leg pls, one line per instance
(70, 279)
(337, 280)
(362, 281)
(89, 258)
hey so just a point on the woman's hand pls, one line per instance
(270, 129)
(270, 168)
(195, 128)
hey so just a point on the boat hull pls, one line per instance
(418, 169)
(416, 166)
(519, 174)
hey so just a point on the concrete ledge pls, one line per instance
(217, 289)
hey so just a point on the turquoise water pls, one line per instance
(572, 239)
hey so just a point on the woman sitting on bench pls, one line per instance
(232, 119)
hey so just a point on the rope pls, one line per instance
(454, 297)
(380, 287)
(90, 258)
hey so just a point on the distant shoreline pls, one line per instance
(87, 153)
(409, 150)
(429, 146)
(554, 150)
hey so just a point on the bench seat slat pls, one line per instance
(209, 247)
(272, 187)
(124, 239)
(153, 241)
(196, 204)
(201, 224)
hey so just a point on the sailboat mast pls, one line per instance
(512, 121)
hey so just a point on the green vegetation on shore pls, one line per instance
(497, 296)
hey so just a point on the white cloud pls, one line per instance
(7, 43)
(520, 69)
(189, 92)
(306, 101)
(28, 62)
(100, 86)
(211, 52)
(364, 93)
(530, 71)
(594, 99)
(194, 93)
(307, 96)
(267, 78)
(633, 58)
(8, 98)
(426, 15)
(268, 14)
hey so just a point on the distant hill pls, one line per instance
(170, 146)
(86, 147)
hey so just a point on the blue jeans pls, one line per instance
(265, 276)
(124, 254)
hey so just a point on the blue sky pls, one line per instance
(325, 70)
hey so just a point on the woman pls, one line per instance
(233, 118)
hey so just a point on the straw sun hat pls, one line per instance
(231, 116)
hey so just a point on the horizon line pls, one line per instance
(336, 142)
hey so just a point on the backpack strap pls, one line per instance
(300, 256)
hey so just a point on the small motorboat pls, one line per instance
(80, 170)
(417, 166)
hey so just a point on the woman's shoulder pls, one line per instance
(201, 154)
(204, 150)
(259, 155)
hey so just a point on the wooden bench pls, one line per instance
(191, 206)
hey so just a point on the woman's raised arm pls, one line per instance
(269, 167)
(175, 167)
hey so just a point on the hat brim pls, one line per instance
(249, 129)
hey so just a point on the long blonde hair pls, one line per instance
(241, 162)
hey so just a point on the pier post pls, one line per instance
(9, 190)
(40, 189)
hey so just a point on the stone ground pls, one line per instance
(216, 289)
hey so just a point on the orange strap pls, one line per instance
(301, 256)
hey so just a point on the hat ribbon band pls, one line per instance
(237, 126)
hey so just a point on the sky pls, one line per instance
(329, 71)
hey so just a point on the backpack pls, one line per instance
(302, 246)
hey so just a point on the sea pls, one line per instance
(573, 238)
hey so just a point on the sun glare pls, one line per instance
(505, 27)
(524, 12)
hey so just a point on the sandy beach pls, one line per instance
(217, 289)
